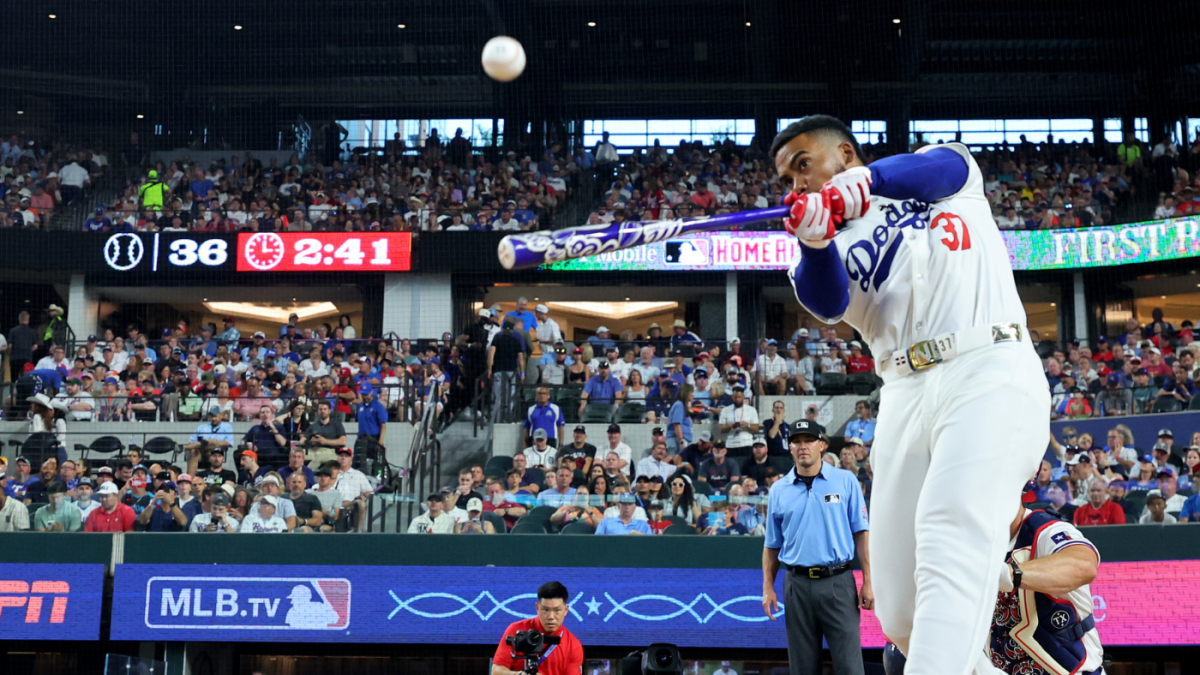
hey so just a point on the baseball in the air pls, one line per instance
(503, 59)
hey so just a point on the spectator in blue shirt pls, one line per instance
(679, 421)
(625, 522)
(163, 514)
(602, 388)
(1191, 510)
(602, 340)
(864, 426)
(683, 335)
(371, 415)
(544, 415)
(97, 223)
(528, 318)
(201, 186)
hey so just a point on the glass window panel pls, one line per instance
(935, 136)
(783, 123)
(982, 137)
(1112, 123)
(1141, 129)
(1026, 125)
(1070, 125)
(935, 125)
(668, 126)
(981, 125)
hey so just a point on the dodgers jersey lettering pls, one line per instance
(920, 270)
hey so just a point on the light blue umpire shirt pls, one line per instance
(815, 528)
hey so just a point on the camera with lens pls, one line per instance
(529, 646)
(659, 658)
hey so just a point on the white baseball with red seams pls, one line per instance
(954, 443)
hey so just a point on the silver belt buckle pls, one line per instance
(924, 355)
(1006, 332)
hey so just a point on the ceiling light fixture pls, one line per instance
(614, 310)
(53, 16)
(20, 112)
(895, 20)
(400, 25)
(141, 117)
(237, 27)
(272, 313)
(747, 24)
(591, 24)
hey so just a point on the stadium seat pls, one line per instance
(39, 447)
(676, 520)
(578, 527)
(861, 384)
(1194, 404)
(702, 487)
(568, 399)
(1167, 404)
(497, 466)
(496, 521)
(161, 445)
(597, 413)
(630, 413)
(680, 529)
(109, 446)
(831, 384)
(528, 528)
(1136, 500)
(538, 514)
(32, 509)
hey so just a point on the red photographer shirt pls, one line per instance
(565, 659)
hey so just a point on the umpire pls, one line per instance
(816, 522)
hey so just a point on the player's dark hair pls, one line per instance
(815, 125)
(551, 590)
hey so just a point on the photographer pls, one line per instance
(564, 658)
(212, 436)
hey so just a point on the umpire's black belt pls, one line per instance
(819, 572)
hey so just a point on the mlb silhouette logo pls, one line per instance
(272, 603)
(688, 252)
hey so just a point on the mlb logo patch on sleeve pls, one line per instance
(833, 499)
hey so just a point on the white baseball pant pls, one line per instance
(954, 446)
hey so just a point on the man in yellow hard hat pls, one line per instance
(153, 192)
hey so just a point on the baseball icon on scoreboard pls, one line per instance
(324, 252)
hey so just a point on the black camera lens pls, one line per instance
(663, 658)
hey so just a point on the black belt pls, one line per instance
(819, 572)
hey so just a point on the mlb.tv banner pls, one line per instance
(473, 605)
(1144, 242)
(51, 601)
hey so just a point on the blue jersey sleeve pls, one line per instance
(774, 528)
(820, 281)
(926, 177)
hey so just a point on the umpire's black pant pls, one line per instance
(816, 607)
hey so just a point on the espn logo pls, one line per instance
(16, 594)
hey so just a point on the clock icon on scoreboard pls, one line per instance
(264, 251)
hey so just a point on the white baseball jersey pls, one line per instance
(922, 270)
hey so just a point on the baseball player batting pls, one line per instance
(919, 269)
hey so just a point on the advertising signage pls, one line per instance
(1027, 250)
(51, 602)
(473, 605)
(180, 253)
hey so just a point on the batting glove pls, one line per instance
(810, 219)
(849, 192)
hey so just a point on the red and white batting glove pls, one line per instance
(849, 193)
(810, 219)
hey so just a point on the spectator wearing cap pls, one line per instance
(770, 371)
(1099, 509)
(435, 520)
(657, 463)
(863, 427)
(602, 340)
(1168, 487)
(682, 336)
(1115, 400)
(84, 497)
(624, 522)
(372, 418)
(540, 455)
(78, 403)
(583, 452)
(164, 514)
(857, 361)
(137, 493)
(718, 470)
(354, 486)
(816, 524)
(331, 499)
(14, 516)
(756, 465)
(1156, 510)
(231, 335)
(98, 222)
(59, 514)
(264, 518)
(695, 454)
(215, 434)
(548, 331)
(218, 518)
(251, 473)
(112, 515)
(544, 416)
(679, 415)
(740, 422)
(602, 388)
(1144, 390)
(554, 365)
(475, 523)
(624, 452)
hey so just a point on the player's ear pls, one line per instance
(846, 153)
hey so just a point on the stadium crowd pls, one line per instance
(36, 178)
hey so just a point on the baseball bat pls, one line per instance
(522, 251)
